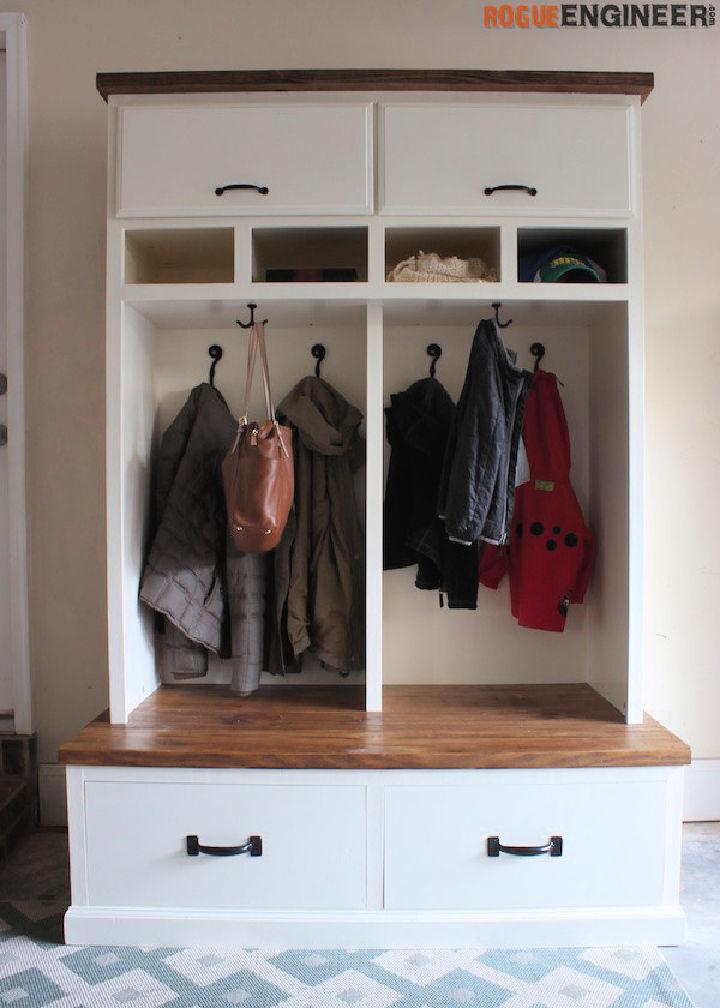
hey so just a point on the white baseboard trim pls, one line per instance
(52, 794)
(702, 791)
(655, 925)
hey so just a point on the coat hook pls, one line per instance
(497, 305)
(318, 352)
(216, 353)
(251, 323)
(538, 352)
(435, 352)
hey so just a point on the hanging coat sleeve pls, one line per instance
(577, 593)
(494, 562)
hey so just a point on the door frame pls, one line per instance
(13, 32)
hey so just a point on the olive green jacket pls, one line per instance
(319, 581)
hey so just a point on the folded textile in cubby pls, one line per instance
(429, 267)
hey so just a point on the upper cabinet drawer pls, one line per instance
(313, 159)
(439, 159)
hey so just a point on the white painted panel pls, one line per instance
(439, 159)
(314, 841)
(313, 158)
(613, 845)
(129, 433)
(608, 600)
(374, 511)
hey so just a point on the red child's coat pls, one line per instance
(551, 549)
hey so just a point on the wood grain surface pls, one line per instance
(209, 81)
(444, 727)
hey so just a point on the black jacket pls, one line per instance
(478, 481)
(418, 423)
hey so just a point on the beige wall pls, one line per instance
(71, 39)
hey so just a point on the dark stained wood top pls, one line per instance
(428, 727)
(215, 81)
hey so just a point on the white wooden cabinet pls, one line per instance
(359, 853)
(386, 857)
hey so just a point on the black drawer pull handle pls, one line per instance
(253, 847)
(262, 189)
(554, 848)
(530, 190)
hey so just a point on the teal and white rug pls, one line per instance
(36, 971)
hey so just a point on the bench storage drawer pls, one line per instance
(312, 159)
(437, 844)
(313, 845)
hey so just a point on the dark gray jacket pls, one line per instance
(212, 596)
(478, 482)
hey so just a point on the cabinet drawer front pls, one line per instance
(436, 848)
(440, 159)
(314, 842)
(313, 159)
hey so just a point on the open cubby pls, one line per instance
(426, 644)
(180, 255)
(605, 246)
(172, 350)
(285, 250)
(464, 242)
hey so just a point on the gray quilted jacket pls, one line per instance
(211, 596)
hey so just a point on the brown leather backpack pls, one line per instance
(258, 475)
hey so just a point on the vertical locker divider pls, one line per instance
(374, 508)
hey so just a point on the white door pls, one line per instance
(15, 701)
(6, 674)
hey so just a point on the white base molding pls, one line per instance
(375, 929)
(702, 791)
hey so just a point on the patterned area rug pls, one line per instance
(36, 971)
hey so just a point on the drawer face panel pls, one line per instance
(313, 159)
(436, 846)
(439, 159)
(314, 843)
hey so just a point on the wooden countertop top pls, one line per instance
(527, 81)
(421, 727)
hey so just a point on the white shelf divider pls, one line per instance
(374, 422)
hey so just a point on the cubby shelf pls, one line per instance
(244, 255)
(225, 295)
(173, 256)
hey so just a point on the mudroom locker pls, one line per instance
(477, 781)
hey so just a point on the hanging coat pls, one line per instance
(319, 580)
(551, 549)
(210, 596)
(478, 480)
(418, 424)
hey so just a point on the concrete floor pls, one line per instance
(696, 964)
(34, 893)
